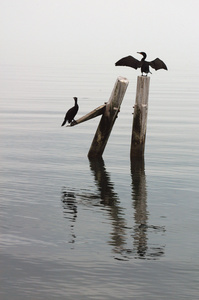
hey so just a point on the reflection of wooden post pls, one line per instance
(139, 193)
(109, 197)
(108, 118)
(140, 117)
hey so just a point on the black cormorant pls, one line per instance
(71, 113)
(130, 61)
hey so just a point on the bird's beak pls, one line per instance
(139, 52)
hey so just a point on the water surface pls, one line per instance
(78, 229)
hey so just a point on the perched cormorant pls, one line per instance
(71, 113)
(130, 61)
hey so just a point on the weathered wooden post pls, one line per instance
(108, 118)
(140, 118)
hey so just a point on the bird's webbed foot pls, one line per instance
(73, 123)
(145, 74)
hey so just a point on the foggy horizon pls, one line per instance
(98, 32)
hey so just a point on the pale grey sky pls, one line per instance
(73, 31)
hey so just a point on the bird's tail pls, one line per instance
(63, 123)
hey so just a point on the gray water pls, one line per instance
(108, 229)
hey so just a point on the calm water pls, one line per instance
(78, 229)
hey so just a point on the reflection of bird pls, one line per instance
(132, 62)
(71, 113)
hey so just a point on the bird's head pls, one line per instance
(143, 54)
(75, 98)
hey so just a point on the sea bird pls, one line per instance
(71, 113)
(130, 61)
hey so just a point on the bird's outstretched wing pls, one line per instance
(157, 64)
(129, 61)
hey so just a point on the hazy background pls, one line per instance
(80, 230)
(64, 31)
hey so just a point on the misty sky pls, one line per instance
(92, 31)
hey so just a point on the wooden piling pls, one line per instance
(140, 118)
(108, 118)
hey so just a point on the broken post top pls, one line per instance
(123, 79)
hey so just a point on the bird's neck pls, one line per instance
(143, 58)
